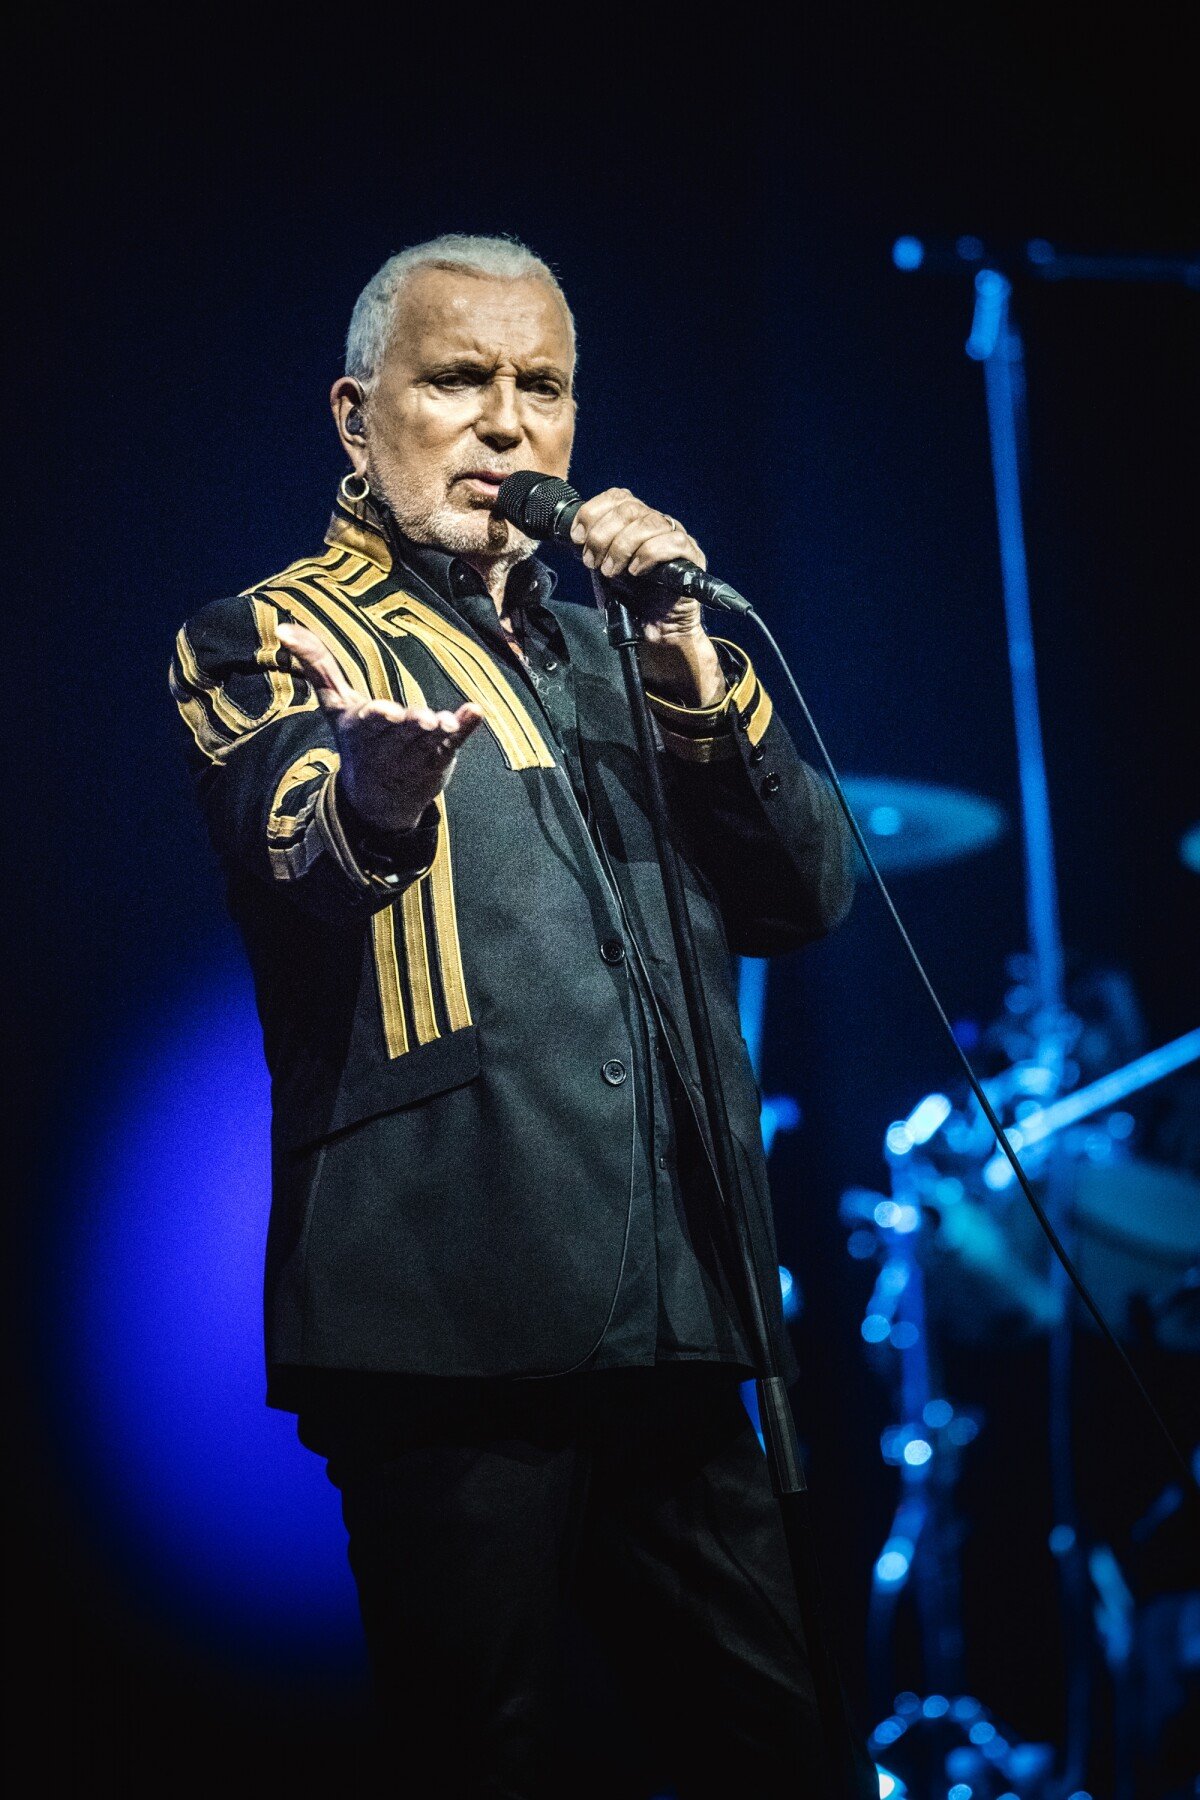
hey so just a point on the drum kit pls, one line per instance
(960, 1262)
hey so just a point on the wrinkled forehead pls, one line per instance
(447, 313)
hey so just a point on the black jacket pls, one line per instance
(449, 1028)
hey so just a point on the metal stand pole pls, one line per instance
(778, 1427)
(996, 343)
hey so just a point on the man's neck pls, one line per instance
(494, 572)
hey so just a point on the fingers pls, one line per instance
(429, 733)
(316, 662)
(439, 733)
(619, 534)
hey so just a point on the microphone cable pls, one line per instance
(976, 1085)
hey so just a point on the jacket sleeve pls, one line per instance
(265, 767)
(762, 826)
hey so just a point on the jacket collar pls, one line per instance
(365, 527)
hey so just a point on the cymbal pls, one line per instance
(914, 825)
(1189, 848)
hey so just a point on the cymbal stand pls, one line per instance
(943, 1734)
(995, 343)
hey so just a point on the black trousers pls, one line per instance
(508, 1537)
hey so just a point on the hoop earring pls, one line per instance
(353, 496)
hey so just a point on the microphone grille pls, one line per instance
(532, 501)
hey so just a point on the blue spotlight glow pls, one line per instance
(885, 821)
(960, 1791)
(927, 1117)
(982, 1732)
(890, 1786)
(1061, 1540)
(897, 1139)
(917, 1452)
(908, 253)
(936, 1706)
(789, 1293)
(904, 1335)
(890, 1569)
(205, 1497)
(937, 1413)
(875, 1328)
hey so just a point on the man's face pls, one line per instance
(476, 383)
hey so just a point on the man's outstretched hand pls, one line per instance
(394, 759)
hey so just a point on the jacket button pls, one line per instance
(613, 1072)
(756, 753)
(771, 783)
(550, 663)
(612, 950)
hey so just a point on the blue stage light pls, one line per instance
(917, 1452)
(982, 1732)
(789, 1294)
(960, 1791)
(205, 1498)
(1061, 1540)
(927, 1117)
(891, 1567)
(890, 1786)
(889, 1731)
(937, 1413)
(936, 1706)
(908, 253)
(885, 821)
(875, 1328)
(904, 1335)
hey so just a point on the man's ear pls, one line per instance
(346, 400)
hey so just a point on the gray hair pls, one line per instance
(371, 321)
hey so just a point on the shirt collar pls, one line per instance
(364, 527)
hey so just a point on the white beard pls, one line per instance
(477, 533)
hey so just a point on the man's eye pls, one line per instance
(451, 379)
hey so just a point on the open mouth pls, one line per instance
(484, 482)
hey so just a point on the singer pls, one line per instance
(495, 1288)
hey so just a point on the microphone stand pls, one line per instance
(775, 1415)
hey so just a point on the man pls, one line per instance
(495, 1285)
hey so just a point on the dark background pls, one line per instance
(191, 226)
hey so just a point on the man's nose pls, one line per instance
(499, 421)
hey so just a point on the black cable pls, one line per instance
(976, 1086)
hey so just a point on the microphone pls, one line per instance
(544, 507)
